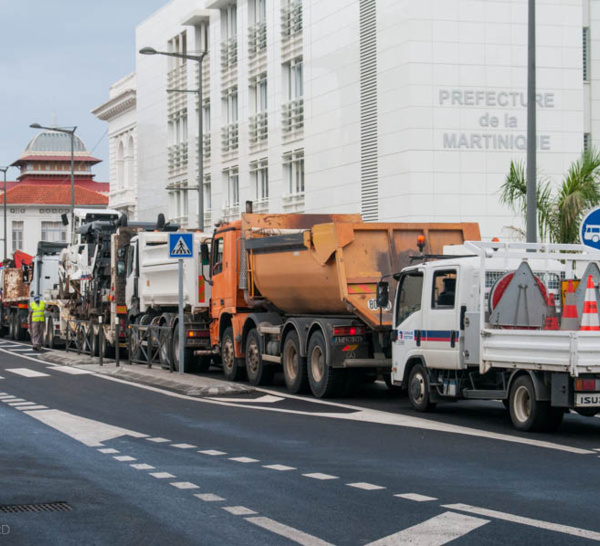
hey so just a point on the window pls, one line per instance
(206, 116)
(229, 15)
(295, 85)
(259, 93)
(230, 105)
(443, 293)
(232, 181)
(217, 256)
(408, 297)
(293, 164)
(587, 141)
(259, 11)
(259, 172)
(54, 232)
(291, 17)
(17, 235)
(586, 54)
(207, 192)
(178, 44)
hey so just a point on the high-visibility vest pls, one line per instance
(37, 311)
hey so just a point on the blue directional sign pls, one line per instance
(181, 245)
(589, 232)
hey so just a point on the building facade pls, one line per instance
(399, 110)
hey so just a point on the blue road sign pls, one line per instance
(589, 232)
(181, 245)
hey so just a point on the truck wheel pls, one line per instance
(188, 356)
(294, 365)
(418, 389)
(325, 381)
(231, 368)
(11, 326)
(21, 333)
(527, 413)
(258, 372)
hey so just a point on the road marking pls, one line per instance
(19, 349)
(27, 408)
(319, 476)
(365, 486)
(161, 475)
(87, 431)
(13, 400)
(1, 377)
(184, 446)
(416, 497)
(280, 467)
(7, 397)
(158, 440)
(124, 458)
(109, 450)
(212, 452)
(556, 527)
(266, 399)
(290, 533)
(435, 531)
(21, 404)
(142, 466)
(239, 510)
(209, 497)
(243, 460)
(70, 370)
(185, 485)
(26, 372)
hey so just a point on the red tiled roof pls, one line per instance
(38, 194)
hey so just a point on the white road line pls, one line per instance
(70, 370)
(27, 408)
(212, 452)
(243, 460)
(161, 475)
(266, 399)
(7, 397)
(415, 497)
(556, 527)
(209, 497)
(290, 533)
(597, 449)
(158, 440)
(239, 510)
(184, 485)
(13, 400)
(1, 377)
(365, 486)
(108, 450)
(18, 349)
(280, 467)
(20, 404)
(26, 372)
(434, 532)
(319, 476)
(142, 466)
(184, 446)
(124, 458)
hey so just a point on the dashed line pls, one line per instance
(239, 510)
(212, 452)
(142, 466)
(243, 460)
(416, 497)
(294, 535)
(1, 377)
(108, 450)
(185, 485)
(27, 408)
(124, 458)
(319, 476)
(365, 486)
(158, 440)
(26, 372)
(279, 467)
(209, 497)
(184, 446)
(161, 475)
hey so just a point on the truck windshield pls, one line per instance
(408, 298)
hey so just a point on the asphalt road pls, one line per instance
(140, 466)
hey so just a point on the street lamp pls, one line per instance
(71, 132)
(4, 169)
(198, 59)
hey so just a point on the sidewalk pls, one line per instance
(188, 384)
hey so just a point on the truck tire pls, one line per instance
(324, 381)
(188, 353)
(294, 365)
(232, 370)
(418, 389)
(20, 332)
(11, 326)
(258, 372)
(527, 413)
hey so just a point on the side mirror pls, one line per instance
(383, 294)
(121, 268)
(204, 253)
(65, 219)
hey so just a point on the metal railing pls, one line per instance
(79, 336)
(149, 344)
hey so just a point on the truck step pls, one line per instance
(271, 358)
(273, 330)
(485, 394)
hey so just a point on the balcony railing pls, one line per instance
(229, 53)
(291, 19)
(258, 128)
(178, 158)
(261, 205)
(257, 38)
(292, 113)
(231, 212)
(230, 137)
(177, 79)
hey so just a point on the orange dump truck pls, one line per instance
(297, 292)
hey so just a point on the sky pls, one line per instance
(60, 58)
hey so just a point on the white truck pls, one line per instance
(485, 326)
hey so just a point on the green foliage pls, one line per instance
(559, 213)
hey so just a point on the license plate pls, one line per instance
(587, 400)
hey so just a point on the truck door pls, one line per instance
(440, 335)
(407, 322)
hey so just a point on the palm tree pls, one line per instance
(558, 214)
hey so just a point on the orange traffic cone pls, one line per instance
(570, 320)
(589, 318)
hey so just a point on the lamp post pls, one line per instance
(4, 169)
(198, 59)
(71, 132)
(531, 196)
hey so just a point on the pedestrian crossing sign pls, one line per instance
(181, 245)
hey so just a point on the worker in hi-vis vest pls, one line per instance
(37, 320)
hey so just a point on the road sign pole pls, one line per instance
(180, 325)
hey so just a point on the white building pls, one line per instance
(401, 110)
